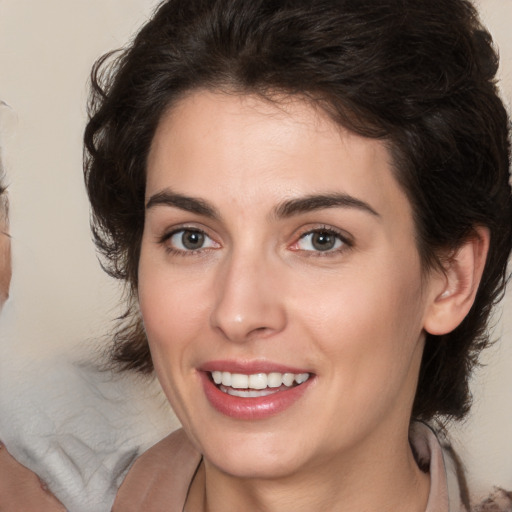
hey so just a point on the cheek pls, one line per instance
(172, 306)
(367, 323)
(173, 319)
(383, 297)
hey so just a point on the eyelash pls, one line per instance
(164, 240)
(346, 243)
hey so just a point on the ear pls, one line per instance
(453, 290)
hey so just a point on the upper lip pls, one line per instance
(249, 367)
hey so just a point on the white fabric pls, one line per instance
(76, 427)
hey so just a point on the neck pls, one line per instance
(387, 480)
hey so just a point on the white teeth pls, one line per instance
(248, 393)
(288, 379)
(226, 379)
(257, 381)
(302, 377)
(239, 381)
(274, 380)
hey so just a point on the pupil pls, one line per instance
(323, 241)
(192, 239)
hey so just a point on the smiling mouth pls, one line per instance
(257, 384)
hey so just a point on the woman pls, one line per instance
(309, 202)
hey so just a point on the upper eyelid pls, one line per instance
(171, 230)
(347, 241)
(169, 234)
(344, 235)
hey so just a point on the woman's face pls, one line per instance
(278, 254)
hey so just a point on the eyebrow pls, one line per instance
(286, 209)
(320, 202)
(187, 203)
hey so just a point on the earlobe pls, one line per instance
(454, 289)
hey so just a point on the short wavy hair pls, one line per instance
(419, 75)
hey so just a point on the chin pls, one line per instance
(256, 467)
(263, 456)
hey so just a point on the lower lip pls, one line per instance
(251, 408)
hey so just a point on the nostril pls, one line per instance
(259, 332)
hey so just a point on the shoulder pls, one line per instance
(159, 476)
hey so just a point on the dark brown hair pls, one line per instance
(418, 74)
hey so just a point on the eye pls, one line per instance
(187, 240)
(320, 240)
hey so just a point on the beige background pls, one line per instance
(60, 299)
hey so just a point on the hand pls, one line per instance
(21, 490)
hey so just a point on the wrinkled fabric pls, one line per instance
(77, 427)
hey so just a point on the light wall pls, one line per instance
(485, 439)
(60, 298)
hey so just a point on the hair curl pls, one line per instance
(417, 74)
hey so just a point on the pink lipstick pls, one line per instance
(252, 390)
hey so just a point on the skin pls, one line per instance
(21, 489)
(5, 253)
(354, 316)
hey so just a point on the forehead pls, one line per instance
(237, 148)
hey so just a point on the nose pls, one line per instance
(249, 300)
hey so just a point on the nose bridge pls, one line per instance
(248, 302)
